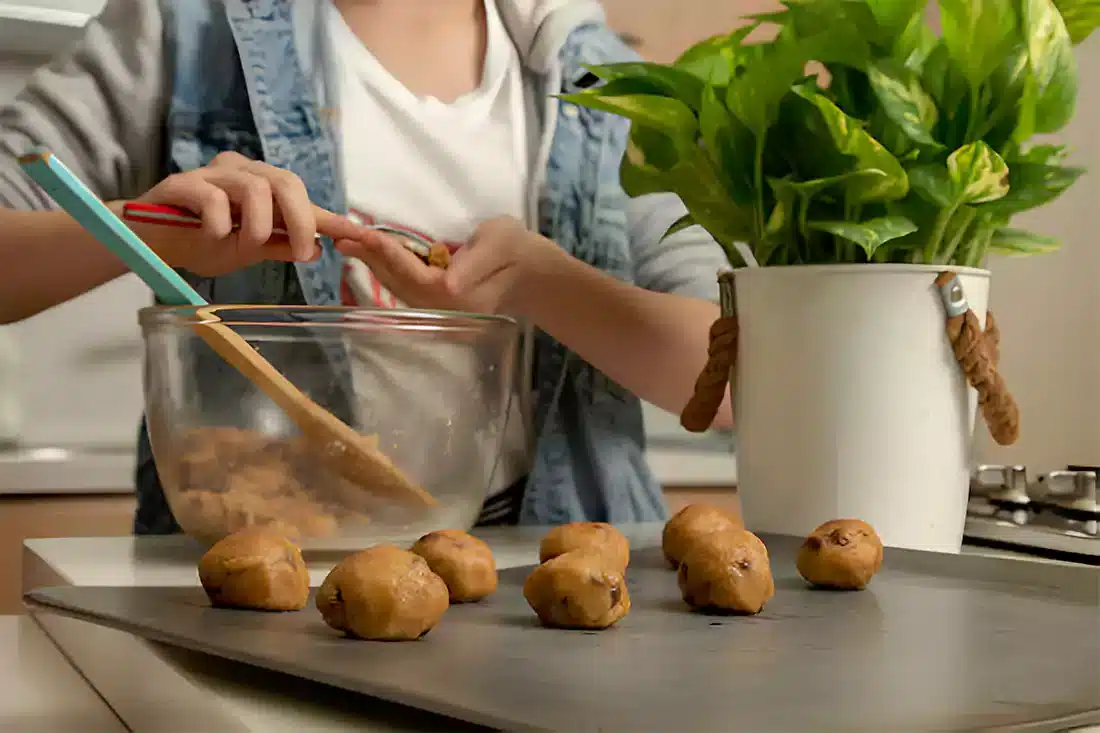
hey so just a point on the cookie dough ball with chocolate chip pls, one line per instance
(255, 569)
(843, 554)
(383, 594)
(463, 561)
(691, 523)
(726, 572)
(597, 538)
(577, 590)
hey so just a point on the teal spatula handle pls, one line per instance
(75, 198)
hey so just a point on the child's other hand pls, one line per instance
(262, 195)
(486, 275)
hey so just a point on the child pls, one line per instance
(437, 115)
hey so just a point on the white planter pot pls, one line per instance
(849, 401)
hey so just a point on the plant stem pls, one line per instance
(935, 237)
(758, 184)
(962, 222)
(979, 248)
(972, 117)
(803, 231)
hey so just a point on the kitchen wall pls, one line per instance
(81, 371)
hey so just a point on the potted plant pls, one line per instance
(843, 165)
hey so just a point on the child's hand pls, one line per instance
(486, 275)
(263, 195)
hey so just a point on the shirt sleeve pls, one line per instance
(99, 108)
(686, 263)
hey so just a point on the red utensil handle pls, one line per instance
(171, 216)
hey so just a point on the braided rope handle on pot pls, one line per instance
(979, 355)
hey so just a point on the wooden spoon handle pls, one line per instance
(354, 456)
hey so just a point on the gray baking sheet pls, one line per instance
(937, 643)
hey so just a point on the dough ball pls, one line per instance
(598, 538)
(439, 256)
(577, 590)
(842, 553)
(383, 594)
(255, 569)
(727, 571)
(691, 523)
(463, 561)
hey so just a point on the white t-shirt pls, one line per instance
(439, 169)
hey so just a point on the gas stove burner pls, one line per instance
(1058, 512)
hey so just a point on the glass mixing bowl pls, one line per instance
(433, 389)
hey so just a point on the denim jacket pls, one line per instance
(239, 83)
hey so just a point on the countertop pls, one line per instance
(39, 691)
(154, 689)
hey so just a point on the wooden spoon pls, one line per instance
(354, 456)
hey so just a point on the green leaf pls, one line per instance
(1082, 17)
(670, 116)
(897, 15)
(684, 222)
(654, 147)
(780, 222)
(977, 34)
(638, 175)
(904, 101)
(714, 60)
(730, 145)
(871, 234)
(1016, 242)
(1042, 154)
(915, 42)
(1012, 89)
(696, 182)
(933, 184)
(754, 96)
(977, 174)
(1031, 185)
(1053, 68)
(829, 31)
(809, 189)
(669, 81)
(847, 17)
(850, 139)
